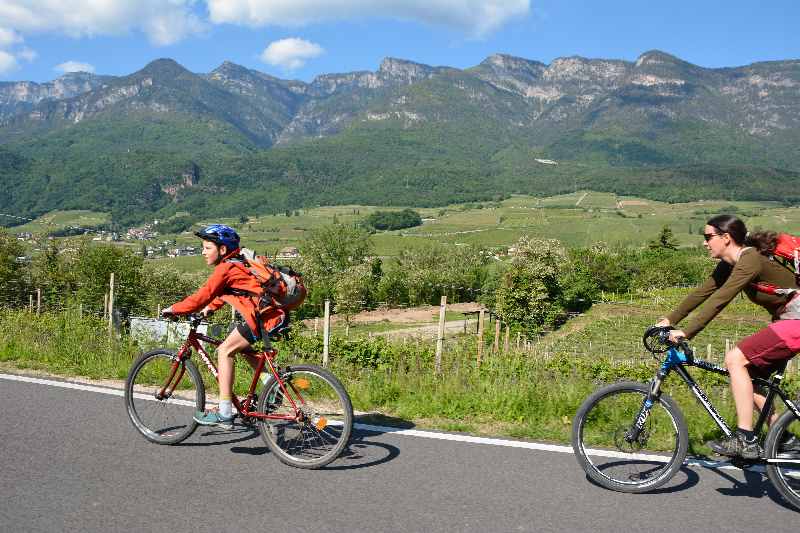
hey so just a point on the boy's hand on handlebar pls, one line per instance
(206, 312)
(168, 313)
(663, 323)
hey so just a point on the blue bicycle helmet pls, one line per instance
(220, 234)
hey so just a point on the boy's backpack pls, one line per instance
(787, 253)
(282, 287)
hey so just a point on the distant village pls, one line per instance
(148, 232)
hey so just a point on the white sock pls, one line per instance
(264, 378)
(225, 408)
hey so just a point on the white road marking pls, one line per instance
(410, 432)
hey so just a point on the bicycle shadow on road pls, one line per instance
(755, 485)
(236, 435)
(362, 451)
(691, 479)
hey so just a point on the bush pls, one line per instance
(392, 220)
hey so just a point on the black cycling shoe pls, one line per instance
(735, 446)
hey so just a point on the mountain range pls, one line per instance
(165, 140)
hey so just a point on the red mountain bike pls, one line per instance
(303, 412)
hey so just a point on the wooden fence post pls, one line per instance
(38, 301)
(518, 337)
(496, 345)
(111, 304)
(440, 335)
(505, 341)
(316, 326)
(326, 333)
(480, 336)
(105, 305)
(30, 303)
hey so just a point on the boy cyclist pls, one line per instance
(230, 283)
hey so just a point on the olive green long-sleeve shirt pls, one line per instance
(726, 281)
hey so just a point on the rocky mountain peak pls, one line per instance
(513, 63)
(403, 70)
(657, 57)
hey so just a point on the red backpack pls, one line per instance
(786, 252)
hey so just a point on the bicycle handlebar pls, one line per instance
(657, 340)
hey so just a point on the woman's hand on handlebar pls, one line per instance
(677, 336)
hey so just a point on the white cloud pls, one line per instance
(475, 17)
(291, 53)
(7, 62)
(74, 66)
(163, 21)
(27, 54)
(9, 37)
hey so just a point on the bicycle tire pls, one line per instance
(163, 421)
(785, 477)
(603, 419)
(322, 432)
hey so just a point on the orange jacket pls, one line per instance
(216, 293)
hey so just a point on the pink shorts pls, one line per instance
(770, 348)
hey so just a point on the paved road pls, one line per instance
(71, 461)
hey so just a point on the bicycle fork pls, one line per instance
(635, 431)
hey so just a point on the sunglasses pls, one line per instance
(709, 236)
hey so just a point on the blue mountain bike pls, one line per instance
(631, 437)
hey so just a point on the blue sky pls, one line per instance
(41, 39)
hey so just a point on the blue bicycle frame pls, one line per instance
(677, 360)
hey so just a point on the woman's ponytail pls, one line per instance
(764, 241)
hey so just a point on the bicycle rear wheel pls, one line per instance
(609, 459)
(783, 466)
(162, 395)
(319, 416)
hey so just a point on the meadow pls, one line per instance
(577, 220)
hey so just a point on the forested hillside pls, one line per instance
(164, 140)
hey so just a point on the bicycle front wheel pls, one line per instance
(318, 416)
(162, 395)
(783, 465)
(601, 438)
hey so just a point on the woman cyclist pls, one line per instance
(744, 261)
(232, 284)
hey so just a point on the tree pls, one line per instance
(530, 296)
(13, 273)
(352, 290)
(93, 268)
(665, 240)
(327, 252)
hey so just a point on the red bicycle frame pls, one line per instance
(265, 357)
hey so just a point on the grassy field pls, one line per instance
(57, 220)
(578, 219)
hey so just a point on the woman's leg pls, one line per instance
(741, 387)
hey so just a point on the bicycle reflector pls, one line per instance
(321, 423)
(301, 383)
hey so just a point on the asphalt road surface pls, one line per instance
(72, 461)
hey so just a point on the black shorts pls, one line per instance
(245, 331)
